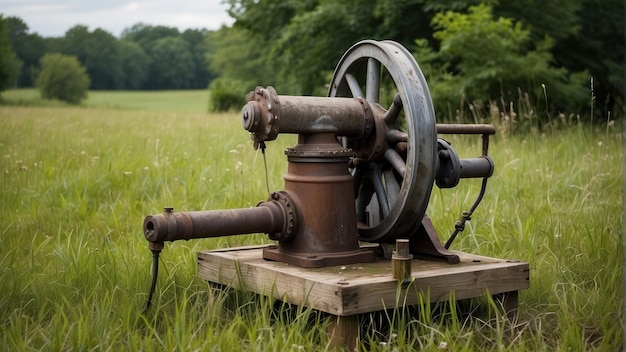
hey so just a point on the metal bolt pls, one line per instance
(401, 261)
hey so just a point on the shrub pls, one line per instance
(481, 58)
(62, 77)
(226, 95)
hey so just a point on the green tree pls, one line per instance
(598, 46)
(99, 52)
(9, 64)
(481, 58)
(239, 65)
(146, 35)
(63, 78)
(135, 65)
(238, 61)
(176, 60)
(198, 47)
(28, 47)
(173, 64)
(301, 41)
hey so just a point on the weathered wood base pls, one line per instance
(349, 290)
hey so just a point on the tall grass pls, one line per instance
(75, 269)
(181, 101)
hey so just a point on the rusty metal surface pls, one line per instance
(425, 244)
(272, 217)
(266, 114)
(318, 181)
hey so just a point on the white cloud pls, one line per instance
(52, 18)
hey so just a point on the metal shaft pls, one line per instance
(476, 167)
(267, 114)
(268, 217)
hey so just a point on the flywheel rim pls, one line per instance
(409, 203)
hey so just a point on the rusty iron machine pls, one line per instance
(357, 187)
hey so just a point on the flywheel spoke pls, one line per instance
(397, 136)
(392, 186)
(379, 188)
(355, 88)
(372, 86)
(394, 110)
(396, 161)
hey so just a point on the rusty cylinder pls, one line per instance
(318, 174)
(274, 217)
(267, 114)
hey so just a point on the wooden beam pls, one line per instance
(361, 288)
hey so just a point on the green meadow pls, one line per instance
(75, 268)
(187, 101)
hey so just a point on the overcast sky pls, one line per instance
(52, 18)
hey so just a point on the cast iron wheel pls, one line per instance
(394, 168)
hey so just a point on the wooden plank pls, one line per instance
(361, 288)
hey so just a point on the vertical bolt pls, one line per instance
(401, 262)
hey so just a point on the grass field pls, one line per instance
(75, 269)
(183, 101)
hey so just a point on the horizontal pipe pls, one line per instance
(266, 115)
(396, 136)
(172, 226)
(451, 128)
(476, 167)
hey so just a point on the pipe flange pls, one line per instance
(290, 227)
(260, 115)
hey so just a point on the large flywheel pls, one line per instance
(395, 167)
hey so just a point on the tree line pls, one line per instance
(144, 57)
(559, 55)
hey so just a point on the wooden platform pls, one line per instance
(362, 288)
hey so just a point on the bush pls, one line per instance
(481, 59)
(62, 77)
(226, 95)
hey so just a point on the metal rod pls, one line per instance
(446, 128)
(372, 85)
(172, 226)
